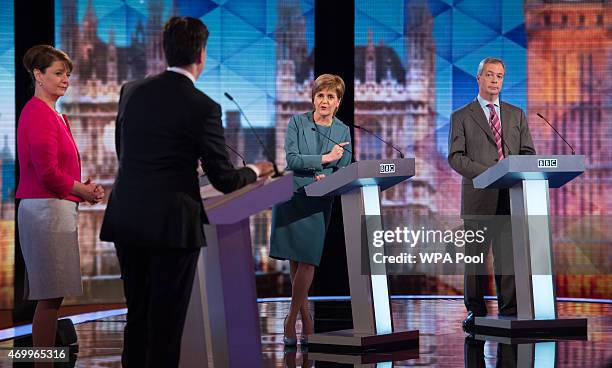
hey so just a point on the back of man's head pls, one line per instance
(183, 40)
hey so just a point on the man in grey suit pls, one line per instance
(482, 133)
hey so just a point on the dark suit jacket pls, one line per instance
(164, 125)
(472, 149)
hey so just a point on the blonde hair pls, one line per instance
(328, 81)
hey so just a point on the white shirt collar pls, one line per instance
(182, 71)
(484, 102)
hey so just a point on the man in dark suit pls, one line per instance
(482, 133)
(154, 216)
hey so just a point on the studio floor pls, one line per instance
(442, 342)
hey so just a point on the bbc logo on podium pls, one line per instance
(547, 162)
(387, 168)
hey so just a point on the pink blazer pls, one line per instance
(49, 160)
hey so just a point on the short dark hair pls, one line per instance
(183, 40)
(42, 56)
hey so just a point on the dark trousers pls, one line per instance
(498, 237)
(157, 284)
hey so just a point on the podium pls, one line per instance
(541, 351)
(367, 360)
(359, 186)
(529, 179)
(222, 325)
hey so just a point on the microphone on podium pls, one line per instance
(236, 153)
(377, 137)
(331, 140)
(265, 149)
(204, 178)
(559, 134)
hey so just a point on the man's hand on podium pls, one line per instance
(265, 168)
(319, 177)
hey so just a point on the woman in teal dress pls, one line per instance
(299, 225)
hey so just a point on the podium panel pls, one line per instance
(528, 179)
(359, 185)
(222, 326)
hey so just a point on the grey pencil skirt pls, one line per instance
(49, 244)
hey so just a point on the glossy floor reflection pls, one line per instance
(442, 343)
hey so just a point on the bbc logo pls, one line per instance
(387, 168)
(547, 162)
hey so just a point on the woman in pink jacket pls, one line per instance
(50, 189)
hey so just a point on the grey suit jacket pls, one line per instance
(472, 149)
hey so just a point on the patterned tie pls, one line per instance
(496, 128)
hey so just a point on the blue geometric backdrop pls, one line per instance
(7, 152)
(241, 50)
(464, 32)
(7, 74)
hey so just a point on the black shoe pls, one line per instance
(469, 323)
(470, 340)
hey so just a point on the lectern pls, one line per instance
(222, 326)
(536, 352)
(529, 179)
(359, 186)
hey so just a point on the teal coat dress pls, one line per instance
(299, 225)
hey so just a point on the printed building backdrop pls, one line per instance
(260, 52)
(415, 62)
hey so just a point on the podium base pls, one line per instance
(515, 327)
(366, 358)
(508, 340)
(348, 341)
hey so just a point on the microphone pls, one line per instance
(377, 137)
(502, 138)
(559, 134)
(333, 141)
(236, 152)
(265, 149)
